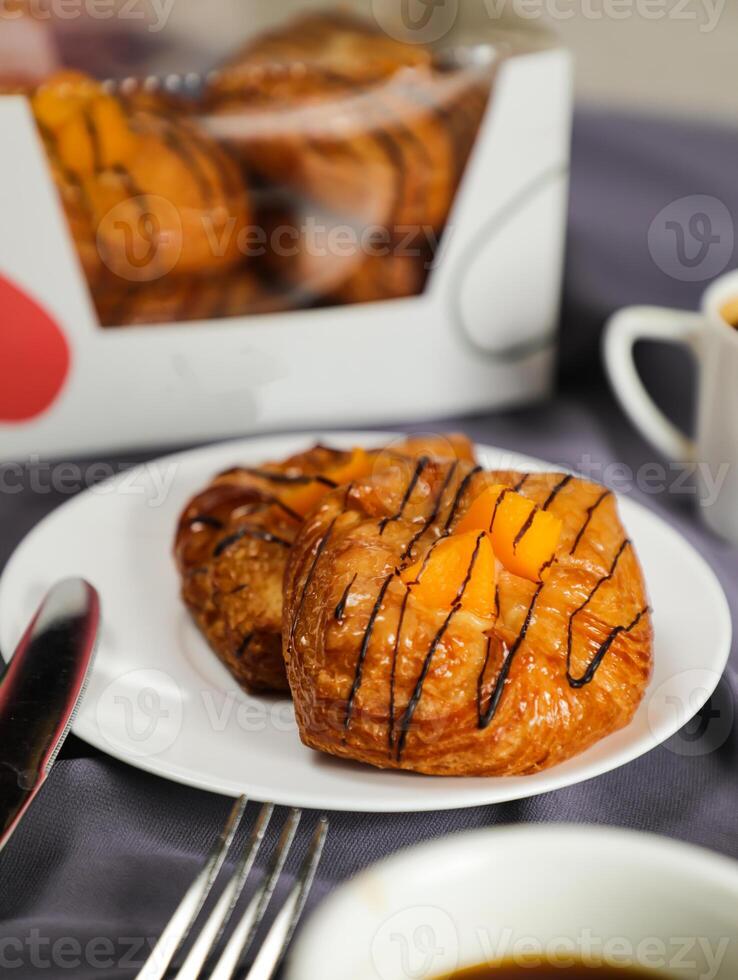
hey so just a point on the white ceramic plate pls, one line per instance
(159, 699)
(529, 891)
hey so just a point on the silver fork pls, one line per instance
(213, 931)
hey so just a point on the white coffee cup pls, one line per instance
(529, 892)
(714, 344)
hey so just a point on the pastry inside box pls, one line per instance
(316, 165)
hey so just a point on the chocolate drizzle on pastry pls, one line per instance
(363, 650)
(602, 650)
(556, 491)
(309, 578)
(248, 531)
(393, 671)
(180, 147)
(486, 715)
(590, 513)
(433, 516)
(414, 701)
(341, 606)
(419, 467)
(458, 498)
(291, 479)
(524, 528)
(546, 565)
(244, 644)
(500, 497)
(589, 673)
(417, 694)
(287, 510)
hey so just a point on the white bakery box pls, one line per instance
(481, 336)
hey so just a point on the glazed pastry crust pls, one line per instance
(407, 689)
(231, 550)
(231, 547)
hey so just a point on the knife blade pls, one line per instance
(40, 691)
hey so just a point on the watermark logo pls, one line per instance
(692, 238)
(416, 943)
(140, 239)
(416, 21)
(700, 705)
(142, 708)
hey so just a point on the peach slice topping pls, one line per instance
(307, 496)
(524, 536)
(459, 569)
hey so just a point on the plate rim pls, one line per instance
(554, 781)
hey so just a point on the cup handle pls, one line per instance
(621, 333)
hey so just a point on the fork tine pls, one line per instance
(278, 938)
(218, 920)
(188, 909)
(243, 935)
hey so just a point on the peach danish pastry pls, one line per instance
(462, 622)
(182, 299)
(360, 122)
(362, 126)
(146, 191)
(234, 537)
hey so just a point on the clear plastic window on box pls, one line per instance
(254, 158)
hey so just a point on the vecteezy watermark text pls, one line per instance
(154, 14)
(320, 240)
(152, 480)
(701, 956)
(700, 480)
(40, 952)
(704, 13)
(419, 942)
(427, 21)
(146, 244)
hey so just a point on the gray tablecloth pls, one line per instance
(105, 853)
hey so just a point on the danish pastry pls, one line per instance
(315, 52)
(147, 193)
(181, 299)
(463, 622)
(301, 257)
(360, 124)
(234, 536)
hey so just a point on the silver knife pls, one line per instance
(40, 691)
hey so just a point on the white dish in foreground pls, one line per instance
(160, 700)
(547, 891)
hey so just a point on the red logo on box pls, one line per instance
(34, 356)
